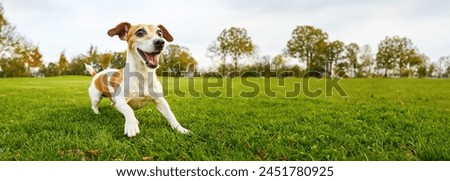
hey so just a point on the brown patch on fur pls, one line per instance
(131, 37)
(120, 30)
(166, 34)
(101, 83)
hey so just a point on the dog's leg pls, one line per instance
(95, 96)
(131, 123)
(163, 107)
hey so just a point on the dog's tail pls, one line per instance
(90, 69)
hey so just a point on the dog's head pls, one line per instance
(146, 41)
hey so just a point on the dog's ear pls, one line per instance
(120, 30)
(166, 34)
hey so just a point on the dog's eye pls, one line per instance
(159, 32)
(140, 33)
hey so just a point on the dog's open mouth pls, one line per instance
(151, 59)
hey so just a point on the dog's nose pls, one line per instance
(159, 43)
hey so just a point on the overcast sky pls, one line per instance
(73, 25)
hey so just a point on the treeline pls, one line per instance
(396, 56)
(75, 66)
(175, 60)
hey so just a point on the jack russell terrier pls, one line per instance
(136, 84)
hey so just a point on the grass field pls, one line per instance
(380, 119)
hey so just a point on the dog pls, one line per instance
(135, 85)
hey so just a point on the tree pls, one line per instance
(296, 70)
(414, 61)
(278, 61)
(52, 69)
(63, 63)
(30, 55)
(431, 69)
(93, 58)
(224, 68)
(233, 42)
(76, 66)
(170, 57)
(8, 37)
(257, 61)
(15, 50)
(105, 60)
(187, 62)
(448, 70)
(257, 66)
(397, 52)
(21, 53)
(351, 55)
(422, 71)
(35, 58)
(13, 67)
(178, 59)
(42, 69)
(307, 43)
(334, 51)
(214, 50)
(118, 60)
(266, 61)
(341, 68)
(442, 65)
(367, 60)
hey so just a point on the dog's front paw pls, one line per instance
(182, 130)
(131, 128)
(95, 109)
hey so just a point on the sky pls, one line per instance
(75, 25)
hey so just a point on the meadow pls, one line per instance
(378, 119)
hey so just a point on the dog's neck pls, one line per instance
(134, 64)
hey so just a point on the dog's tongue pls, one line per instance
(151, 58)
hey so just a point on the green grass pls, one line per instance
(380, 119)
